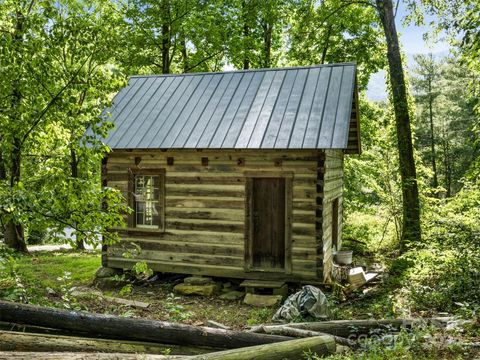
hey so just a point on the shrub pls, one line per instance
(445, 275)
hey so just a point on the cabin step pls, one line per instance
(273, 287)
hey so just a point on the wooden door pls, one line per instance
(268, 223)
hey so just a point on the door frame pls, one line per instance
(248, 236)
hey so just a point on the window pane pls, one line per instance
(147, 196)
(140, 220)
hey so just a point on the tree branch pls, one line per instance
(52, 101)
(204, 60)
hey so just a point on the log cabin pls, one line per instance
(233, 174)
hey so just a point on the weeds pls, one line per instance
(260, 315)
(176, 312)
(69, 301)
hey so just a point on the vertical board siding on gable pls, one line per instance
(204, 215)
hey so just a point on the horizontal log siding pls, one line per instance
(205, 211)
(330, 175)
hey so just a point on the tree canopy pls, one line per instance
(61, 62)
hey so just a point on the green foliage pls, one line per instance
(66, 289)
(176, 311)
(421, 343)
(126, 290)
(445, 273)
(260, 316)
(11, 285)
(372, 196)
(336, 31)
(142, 270)
(446, 139)
(57, 76)
(173, 36)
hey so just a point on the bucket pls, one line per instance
(344, 257)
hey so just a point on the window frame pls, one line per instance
(132, 218)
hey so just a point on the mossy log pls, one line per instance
(353, 328)
(132, 329)
(17, 341)
(301, 333)
(293, 349)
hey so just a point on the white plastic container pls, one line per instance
(344, 257)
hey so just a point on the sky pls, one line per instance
(412, 42)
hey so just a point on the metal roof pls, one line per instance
(286, 108)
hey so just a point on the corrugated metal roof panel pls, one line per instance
(290, 108)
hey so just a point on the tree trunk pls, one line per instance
(79, 245)
(246, 35)
(303, 333)
(183, 46)
(166, 38)
(3, 171)
(411, 231)
(293, 349)
(267, 44)
(20, 341)
(133, 329)
(3, 177)
(326, 45)
(353, 328)
(447, 166)
(22, 355)
(14, 232)
(432, 134)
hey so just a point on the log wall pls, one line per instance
(330, 179)
(205, 209)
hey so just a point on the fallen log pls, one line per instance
(301, 333)
(354, 328)
(8, 326)
(17, 341)
(292, 349)
(132, 329)
(14, 355)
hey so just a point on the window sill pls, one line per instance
(138, 230)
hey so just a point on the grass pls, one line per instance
(48, 277)
(43, 269)
(42, 272)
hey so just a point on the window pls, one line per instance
(147, 199)
(146, 195)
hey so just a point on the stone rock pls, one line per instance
(232, 295)
(198, 280)
(109, 283)
(105, 272)
(50, 291)
(262, 300)
(203, 290)
(84, 291)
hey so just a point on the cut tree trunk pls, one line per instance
(17, 341)
(411, 231)
(302, 333)
(10, 355)
(353, 328)
(133, 329)
(293, 349)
